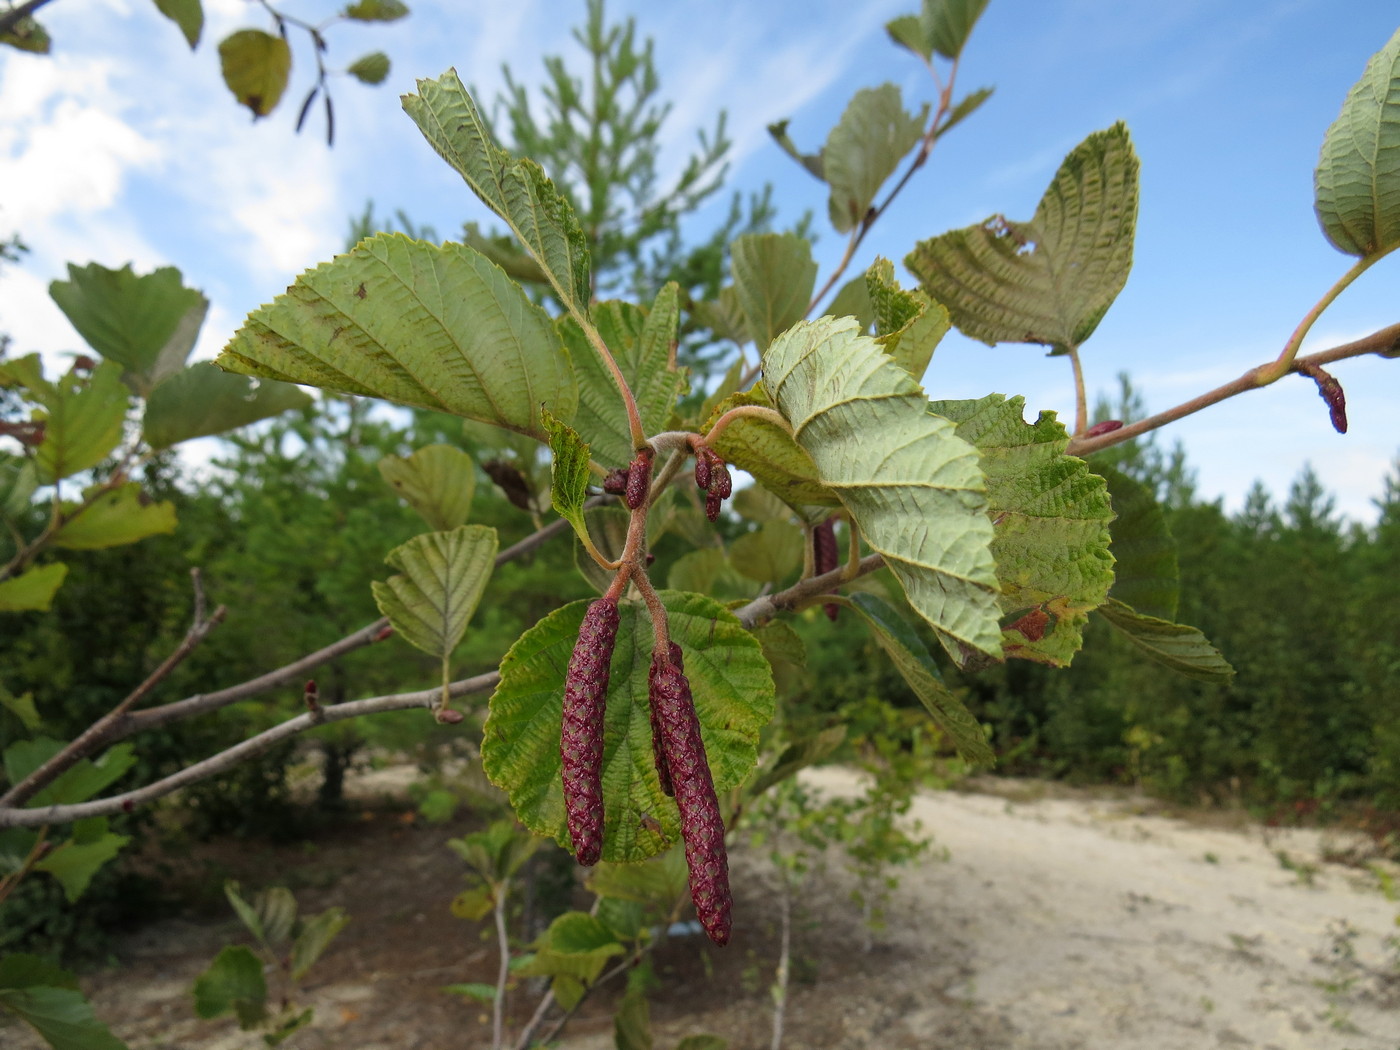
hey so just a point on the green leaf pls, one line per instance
(656, 884)
(438, 481)
(474, 905)
(947, 24)
(759, 505)
(82, 415)
(315, 938)
(811, 161)
(517, 191)
(444, 575)
(376, 10)
(1052, 279)
(607, 528)
(1357, 183)
(28, 35)
(774, 275)
(32, 590)
(439, 328)
(912, 486)
(908, 32)
(74, 864)
(1051, 511)
(203, 399)
(118, 516)
(853, 300)
(724, 316)
(864, 149)
(277, 913)
(78, 783)
(1184, 649)
(18, 482)
(642, 343)
(797, 756)
(187, 14)
(22, 706)
(703, 1042)
(47, 999)
(770, 554)
(733, 691)
(20, 970)
(769, 453)
(147, 324)
(632, 1023)
(247, 913)
(909, 325)
(372, 68)
(481, 993)
(1146, 575)
(576, 945)
(568, 473)
(966, 106)
(912, 659)
(708, 571)
(256, 66)
(233, 982)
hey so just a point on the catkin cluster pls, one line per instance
(677, 749)
(713, 478)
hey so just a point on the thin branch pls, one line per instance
(239, 753)
(945, 102)
(96, 734)
(1385, 342)
(11, 18)
(1278, 369)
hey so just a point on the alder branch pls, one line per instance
(11, 18)
(96, 734)
(252, 747)
(1385, 342)
(750, 615)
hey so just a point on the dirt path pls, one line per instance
(1054, 924)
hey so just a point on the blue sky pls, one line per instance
(125, 146)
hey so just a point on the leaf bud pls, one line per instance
(1108, 426)
(638, 480)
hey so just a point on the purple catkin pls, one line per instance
(615, 484)
(658, 750)
(702, 829)
(712, 505)
(824, 558)
(638, 480)
(581, 737)
(723, 482)
(702, 469)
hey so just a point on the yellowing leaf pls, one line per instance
(256, 66)
(120, 516)
(864, 149)
(187, 14)
(444, 574)
(438, 481)
(32, 590)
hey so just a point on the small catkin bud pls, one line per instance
(702, 469)
(824, 558)
(638, 480)
(615, 484)
(658, 750)
(581, 736)
(702, 828)
(712, 504)
(1108, 426)
(723, 482)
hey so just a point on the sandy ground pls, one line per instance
(1054, 923)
